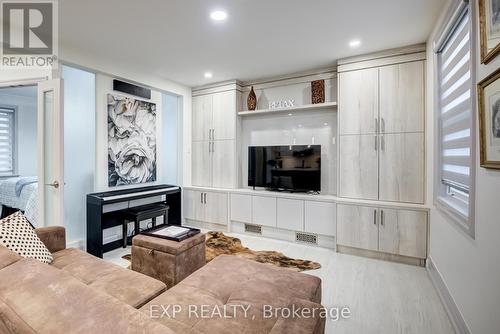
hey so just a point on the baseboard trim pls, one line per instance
(381, 256)
(80, 244)
(451, 308)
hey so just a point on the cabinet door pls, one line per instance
(264, 210)
(290, 215)
(402, 167)
(403, 232)
(358, 167)
(402, 98)
(193, 205)
(216, 208)
(241, 208)
(358, 101)
(202, 117)
(357, 226)
(201, 164)
(224, 164)
(224, 115)
(320, 218)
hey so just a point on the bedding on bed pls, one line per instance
(21, 193)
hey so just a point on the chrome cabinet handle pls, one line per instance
(54, 184)
(376, 125)
(213, 134)
(376, 143)
(375, 217)
(201, 198)
(205, 198)
(382, 143)
(382, 217)
(382, 125)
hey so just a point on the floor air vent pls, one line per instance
(308, 238)
(253, 229)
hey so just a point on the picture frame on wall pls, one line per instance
(489, 19)
(488, 91)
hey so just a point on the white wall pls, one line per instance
(171, 140)
(26, 129)
(470, 267)
(79, 149)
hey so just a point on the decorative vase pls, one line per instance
(252, 100)
(318, 91)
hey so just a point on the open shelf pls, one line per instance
(305, 107)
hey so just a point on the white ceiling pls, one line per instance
(260, 38)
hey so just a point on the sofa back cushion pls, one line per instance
(17, 234)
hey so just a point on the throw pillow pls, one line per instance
(17, 235)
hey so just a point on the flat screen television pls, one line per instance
(295, 168)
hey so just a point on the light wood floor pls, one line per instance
(383, 297)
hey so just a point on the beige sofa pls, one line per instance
(79, 293)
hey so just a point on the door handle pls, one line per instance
(382, 217)
(54, 184)
(375, 217)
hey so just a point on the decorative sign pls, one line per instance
(281, 104)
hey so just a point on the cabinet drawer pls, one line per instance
(320, 218)
(264, 211)
(241, 208)
(290, 214)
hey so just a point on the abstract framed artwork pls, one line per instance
(489, 19)
(131, 141)
(489, 120)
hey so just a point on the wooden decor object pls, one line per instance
(252, 100)
(318, 91)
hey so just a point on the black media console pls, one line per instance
(104, 211)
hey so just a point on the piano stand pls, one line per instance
(108, 209)
(141, 213)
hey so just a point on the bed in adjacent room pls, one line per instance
(19, 193)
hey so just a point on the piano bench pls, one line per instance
(141, 213)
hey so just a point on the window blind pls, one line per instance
(455, 113)
(7, 143)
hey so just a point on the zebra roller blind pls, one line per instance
(7, 143)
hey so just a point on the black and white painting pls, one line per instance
(494, 106)
(131, 141)
(494, 18)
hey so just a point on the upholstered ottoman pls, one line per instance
(166, 260)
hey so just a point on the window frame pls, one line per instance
(466, 223)
(14, 140)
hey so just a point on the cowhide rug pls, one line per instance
(218, 243)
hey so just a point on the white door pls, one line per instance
(264, 210)
(402, 167)
(216, 208)
(358, 100)
(358, 166)
(320, 218)
(50, 153)
(224, 116)
(403, 232)
(402, 98)
(357, 226)
(202, 117)
(290, 214)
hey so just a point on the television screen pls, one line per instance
(285, 168)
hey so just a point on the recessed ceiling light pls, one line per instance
(325, 124)
(218, 15)
(354, 43)
(290, 114)
(300, 125)
(208, 75)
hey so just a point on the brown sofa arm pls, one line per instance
(305, 324)
(54, 237)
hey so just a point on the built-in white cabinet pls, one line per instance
(358, 166)
(264, 210)
(358, 102)
(402, 97)
(320, 217)
(203, 206)
(214, 157)
(402, 167)
(290, 214)
(393, 231)
(381, 127)
(241, 208)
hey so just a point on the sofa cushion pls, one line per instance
(7, 257)
(228, 282)
(46, 300)
(126, 285)
(17, 234)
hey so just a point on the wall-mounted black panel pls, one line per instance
(128, 88)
